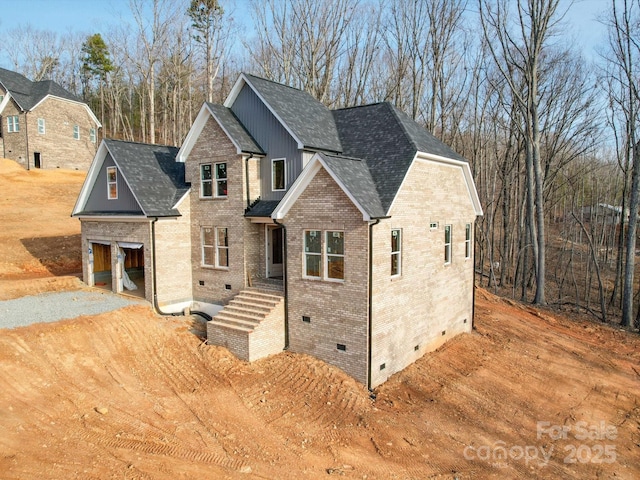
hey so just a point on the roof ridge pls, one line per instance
(277, 83)
(139, 143)
(393, 109)
(359, 106)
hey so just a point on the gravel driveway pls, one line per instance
(51, 307)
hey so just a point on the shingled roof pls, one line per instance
(388, 140)
(28, 94)
(155, 178)
(309, 121)
(234, 129)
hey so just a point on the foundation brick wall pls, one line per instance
(214, 146)
(429, 297)
(57, 147)
(338, 310)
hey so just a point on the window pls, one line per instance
(396, 251)
(467, 241)
(13, 125)
(76, 132)
(447, 244)
(278, 174)
(433, 225)
(205, 181)
(92, 135)
(41, 129)
(208, 250)
(221, 179)
(1, 98)
(112, 183)
(222, 247)
(334, 245)
(312, 253)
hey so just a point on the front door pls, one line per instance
(275, 248)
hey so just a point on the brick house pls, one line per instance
(42, 125)
(345, 234)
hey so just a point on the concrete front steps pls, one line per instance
(251, 326)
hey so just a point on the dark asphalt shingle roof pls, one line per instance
(262, 208)
(307, 118)
(239, 135)
(156, 179)
(28, 94)
(388, 140)
(354, 174)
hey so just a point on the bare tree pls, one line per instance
(517, 52)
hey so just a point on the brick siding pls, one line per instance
(57, 146)
(429, 297)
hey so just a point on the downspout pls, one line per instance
(26, 136)
(473, 286)
(246, 178)
(284, 284)
(370, 307)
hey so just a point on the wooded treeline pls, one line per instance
(551, 131)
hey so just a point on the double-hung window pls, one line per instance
(396, 252)
(334, 244)
(467, 241)
(112, 183)
(76, 132)
(278, 174)
(208, 248)
(13, 124)
(41, 126)
(215, 247)
(92, 135)
(324, 255)
(221, 179)
(312, 253)
(210, 172)
(447, 244)
(206, 190)
(222, 247)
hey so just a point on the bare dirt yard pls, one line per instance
(132, 395)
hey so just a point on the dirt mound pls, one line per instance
(38, 236)
(129, 394)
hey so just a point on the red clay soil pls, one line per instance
(131, 395)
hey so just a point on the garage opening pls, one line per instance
(100, 265)
(131, 256)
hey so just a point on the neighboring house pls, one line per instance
(42, 125)
(346, 234)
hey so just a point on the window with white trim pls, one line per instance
(92, 135)
(447, 244)
(467, 241)
(312, 253)
(334, 259)
(278, 174)
(13, 123)
(396, 252)
(206, 186)
(76, 132)
(221, 179)
(208, 246)
(222, 247)
(112, 183)
(41, 126)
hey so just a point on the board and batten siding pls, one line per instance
(98, 201)
(274, 139)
